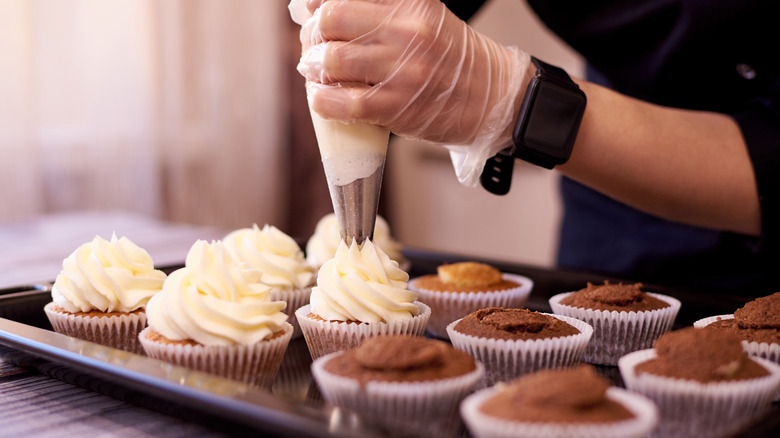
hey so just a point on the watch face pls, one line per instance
(553, 119)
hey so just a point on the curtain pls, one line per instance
(176, 109)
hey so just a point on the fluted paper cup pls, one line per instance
(617, 333)
(294, 298)
(482, 425)
(113, 329)
(324, 337)
(255, 364)
(506, 359)
(692, 409)
(449, 306)
(428, 408)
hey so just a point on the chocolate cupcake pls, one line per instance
(513, 342)
(569, 402)
(702, 381)
(460, 288)
(623, 316)
(401, 385)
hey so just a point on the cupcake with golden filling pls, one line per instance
(565, 402)
(282, 262)
(460, 288)
(360, 293)
(215, 315)
(513, 342)
(102, 291)
(399, 384)
(624, 317)
(702, 381)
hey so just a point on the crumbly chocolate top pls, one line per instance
(500, 323)
(556, 395)
(768, 335)
(609, 296)
(401, 358)
(702, 355)
(761, 313)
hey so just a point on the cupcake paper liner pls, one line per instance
(617, 333)
(449, 306)
(324, 337)
(255, 364)
(294, 298)
(482, 425)
(117, 330)
(505, 360)
(427, 408)
(693, 409)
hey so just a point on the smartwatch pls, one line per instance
(546, 126)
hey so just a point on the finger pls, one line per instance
(333, 62)
(342, 20)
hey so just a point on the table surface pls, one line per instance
(34, 404)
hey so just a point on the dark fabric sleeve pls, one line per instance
(464, 9)
(760, 125)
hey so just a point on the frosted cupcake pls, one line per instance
(282, 262)
(564, 403)
(514, 342)
(623, 316)
(215, 315)
(360, 293)
(400, 385)
(702, 381)
(461, 288)
(102, 291)
(322, 245)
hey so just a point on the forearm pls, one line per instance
(686, 166)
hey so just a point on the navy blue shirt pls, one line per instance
(718, 56)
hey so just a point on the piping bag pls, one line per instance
(353, 157)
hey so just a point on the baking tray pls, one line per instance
(294, 406)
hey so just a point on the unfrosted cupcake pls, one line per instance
(215, 315)
(360, 293)
(564, 403)
(460, 288)
(401, 385)
(102, 291)
(513, 342)
(702, 381)
(623, 316)
(282, 262)
(757, 324)
(322, 245)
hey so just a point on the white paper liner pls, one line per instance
(689, 408)
(255, 364)
(482, 425)
(294, 298)
(324, 337)
(115, 330)
(428, 409)
(617, 333)
(449, 306)
(505, 359)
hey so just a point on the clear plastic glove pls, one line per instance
(413, 67)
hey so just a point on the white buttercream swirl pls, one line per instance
(109, 276)
(214, 300)
(361, 283)
(322, 245)
(276, 254)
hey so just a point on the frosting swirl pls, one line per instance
(362, 284)
(214, 300)
(275, 253)
(109, 276)
(322, 245)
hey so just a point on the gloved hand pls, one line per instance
(413, 67)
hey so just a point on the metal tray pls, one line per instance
(294, 405)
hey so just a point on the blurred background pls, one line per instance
(191, 111)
